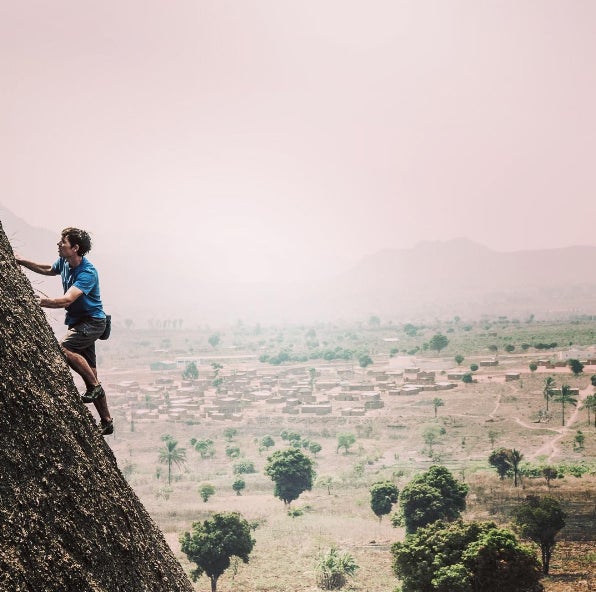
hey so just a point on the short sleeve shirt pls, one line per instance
(84, 277)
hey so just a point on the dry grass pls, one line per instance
(389, 445)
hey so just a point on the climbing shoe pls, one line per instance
(93, 393)
(107, 427)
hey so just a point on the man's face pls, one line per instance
(65, 249)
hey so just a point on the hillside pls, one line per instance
(441, 279)
(68, 519)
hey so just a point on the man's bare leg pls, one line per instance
(80, 365)
(89, 375)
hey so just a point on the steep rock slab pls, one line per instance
(69, 521)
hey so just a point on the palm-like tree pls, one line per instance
(437, 402)
(170, 454)
(590, 405)
(549, 385)
(565, 398)
(515, 458)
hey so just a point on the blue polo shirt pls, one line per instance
(84, 277)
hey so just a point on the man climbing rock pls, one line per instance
(85, 317)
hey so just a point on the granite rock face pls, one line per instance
(69, 521)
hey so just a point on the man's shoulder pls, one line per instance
(59, 265)
(86, 265)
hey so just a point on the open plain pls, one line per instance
(257, 381)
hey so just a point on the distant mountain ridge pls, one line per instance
(461, 273)
(432, 279)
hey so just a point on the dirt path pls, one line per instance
(552, 447)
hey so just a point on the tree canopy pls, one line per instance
(345, 440)
(465, 557)
(565, 398)
(575, 366)
(438, 342)
(383, 495)
(431, 496)
(191, 372)
(213, 542)
(540, 519)
(292, 472)
(170, 454)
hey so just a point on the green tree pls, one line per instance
(465, 557)
(345, 441)
(515, 458)
(579, 440)
(374, 322)
(492, 436)
(364, 360)
(314, 448)
(438, 342)
(500, 459)
(238, 486)
(549, 386)
(206, 491)
(292, 472)
(293, 438)
(206, 448)
(506, 461)
(509, 348)
(590, 405)
(191, 372)
(410, 330)
(565, 398)
(431, 496)
(593, 379)
(430, 436)
(334, 568)
(267, 442)
(214, 340)
(575, 366)
(540, 519)
(533, 366)
(467, 378)
(383, 495)
(438, 402)
(232, 451)
(549, 473)
(170, 455)
(312, 375)
(212, 543)
(244, 467)
(230, 433)
(499, 562)
(459, 359)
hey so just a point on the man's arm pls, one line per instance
(63, 301)
(40, 268)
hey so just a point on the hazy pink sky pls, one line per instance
(274, 130)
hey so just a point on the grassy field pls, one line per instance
(474, 419)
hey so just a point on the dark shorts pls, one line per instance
(81, 338)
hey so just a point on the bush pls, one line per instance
(244, 467)
(334, 568)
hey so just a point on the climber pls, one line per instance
(85, 317)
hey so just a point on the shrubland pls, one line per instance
(387, 445)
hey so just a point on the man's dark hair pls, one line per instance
(76, 236)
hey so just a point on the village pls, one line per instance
(162, 393)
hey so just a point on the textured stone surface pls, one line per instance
(69, 521)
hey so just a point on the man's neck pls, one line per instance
(74, 261)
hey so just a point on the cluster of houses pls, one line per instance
(293, 390)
